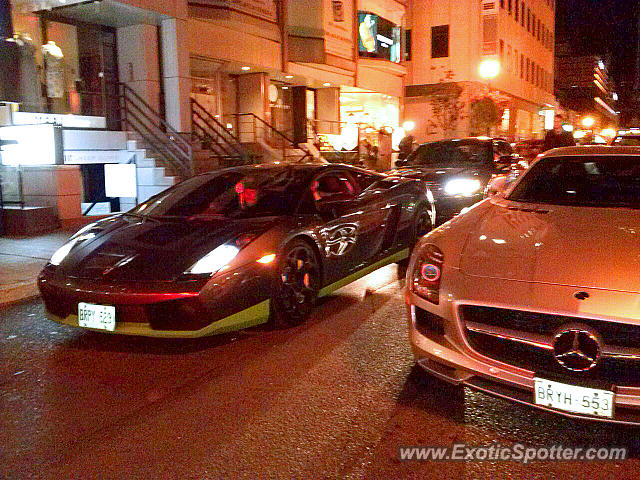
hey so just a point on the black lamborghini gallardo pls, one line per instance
(232, 248)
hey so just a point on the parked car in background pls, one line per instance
(225, 250)
(532, 295)
(529, 149)
(458, 171)
(626, 140)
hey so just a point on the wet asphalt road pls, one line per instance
(333, 398)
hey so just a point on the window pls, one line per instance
(407, 45)
(528, 19)
(509, 59)
(440, 41)
(517, 10)
(538, 31)
(528, 76)
(501, 51)
(365, 180)
(335, 185)
(588, 181)
(521, 66)
(463, 153)
(502, 4)
(502, 148)
(533, 25)
(509, 6)
(241, 193)
(533, 72)
(522, 16)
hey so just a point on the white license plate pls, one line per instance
(102, 317)
(572, 398)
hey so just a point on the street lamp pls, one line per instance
(489, 68)
(409, 125)
(588, 122)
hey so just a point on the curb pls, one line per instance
(18, 292)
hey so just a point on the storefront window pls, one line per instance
(67, 68)
(280, 101)
(374, 109)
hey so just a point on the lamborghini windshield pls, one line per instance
(242, 193)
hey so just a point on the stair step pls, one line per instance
(146, 163)
(166, 181)
(151, 176)
(147, 191)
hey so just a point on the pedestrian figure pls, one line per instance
(557, 137)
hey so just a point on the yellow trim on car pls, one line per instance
(246, 318)
(396, 257)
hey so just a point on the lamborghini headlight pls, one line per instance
(213, 261)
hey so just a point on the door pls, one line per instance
(352, 231)
(98, 69)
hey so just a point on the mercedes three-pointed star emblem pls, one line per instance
(577, 348)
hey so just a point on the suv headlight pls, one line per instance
(462, 186)
(427, 273)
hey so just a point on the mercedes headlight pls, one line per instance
(462, 186)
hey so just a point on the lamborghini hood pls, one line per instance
(137, 249)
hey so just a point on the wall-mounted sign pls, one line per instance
(69, 121)
(265, 9)
(79, 157)
(378, 37)
(338, 10)
(35, 145)
(338, 27)
(120, 180)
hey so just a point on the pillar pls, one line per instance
(138, 61)
(176, 75)
(253, 98)
(328, 110)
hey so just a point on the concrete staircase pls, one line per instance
(151, 177)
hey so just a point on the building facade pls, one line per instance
(583, 84)
(233, 56)
(315, 71)
(452, 39)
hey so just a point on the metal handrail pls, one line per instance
(211, 119)
(167, 154)
(224, 146)
(146, 122)
(158, 118)
(255, 118)
(207, 127)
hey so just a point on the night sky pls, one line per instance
(601, 26)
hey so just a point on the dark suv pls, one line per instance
(458, 171)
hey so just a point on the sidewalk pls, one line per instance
(21, 259)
